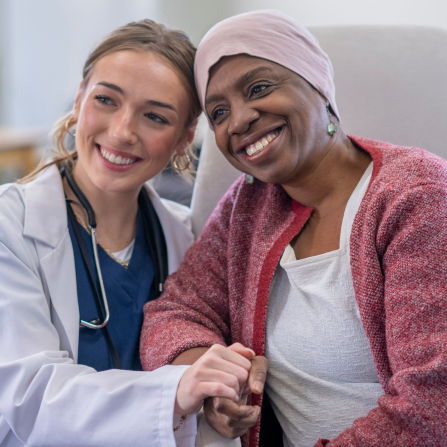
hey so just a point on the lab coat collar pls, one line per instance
(178, 238)
(44, 199)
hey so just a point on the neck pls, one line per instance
(332, 178)
(115, 212)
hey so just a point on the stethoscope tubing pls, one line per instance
(101, 284)
(92, 225)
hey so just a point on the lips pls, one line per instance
(262, 143)
(117, 157)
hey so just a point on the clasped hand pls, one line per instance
(222, 379)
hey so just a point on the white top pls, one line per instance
(321, 374)
(125, 254)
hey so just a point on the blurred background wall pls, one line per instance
(44, 43)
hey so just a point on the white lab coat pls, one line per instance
(46, 398)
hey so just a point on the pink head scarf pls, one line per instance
(269, 35)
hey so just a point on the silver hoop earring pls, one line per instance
(332, 127)
(183, 165)
(67, 126)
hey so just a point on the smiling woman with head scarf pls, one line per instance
(322, 259)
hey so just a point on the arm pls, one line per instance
(193, 311)
(45, 398)
(194, 307)
(412, 236)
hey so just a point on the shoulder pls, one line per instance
(12, 209)
(181, 212)
(25, 209)
(400, 168)
(175, 219)
(407, 194)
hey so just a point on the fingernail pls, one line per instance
(257, 386)
(253, 352)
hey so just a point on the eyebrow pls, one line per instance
(161, 104)
(149, 101)
(112, 86)
(242, 80)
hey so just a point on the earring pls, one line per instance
(249, 179)
(332, 127)
(183, 165)
(67, 126)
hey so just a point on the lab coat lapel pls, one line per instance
(45, 209)
(177, 237)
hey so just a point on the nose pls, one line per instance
(241, 118)
(123, 128)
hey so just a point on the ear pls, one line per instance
(190, 132)
(77, 103)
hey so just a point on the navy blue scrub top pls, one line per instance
(128, 290)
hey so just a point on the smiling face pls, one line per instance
(268, 121)
(131, 116)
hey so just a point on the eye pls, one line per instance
(104, 100)
(259, 88)
(217, 113)
(155, 118)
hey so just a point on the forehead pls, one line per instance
(239, 69)
(235, 72)
(139, 72)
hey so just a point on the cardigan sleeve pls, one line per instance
(193, 311)
(412, 246)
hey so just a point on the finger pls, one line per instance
(218, 376)
(229, 428)
(215, 389)
(229, 408)
(247, 421)
(242, 350)
(210, 363)
(230, 355)
(258, 374)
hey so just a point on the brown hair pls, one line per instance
(146, 35)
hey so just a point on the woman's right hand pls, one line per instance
(220, 372)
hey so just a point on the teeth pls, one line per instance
(262, 143)
(116, 160)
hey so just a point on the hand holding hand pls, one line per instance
(220, 372)
(233, 419)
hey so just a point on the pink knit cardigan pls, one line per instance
(399, 267)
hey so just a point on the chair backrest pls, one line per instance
(391, 85)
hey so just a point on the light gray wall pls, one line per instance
(45, 42)
(197, 16)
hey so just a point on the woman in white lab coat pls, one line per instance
(70, 375)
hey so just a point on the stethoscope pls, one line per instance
(96, 322)
(154, 238)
